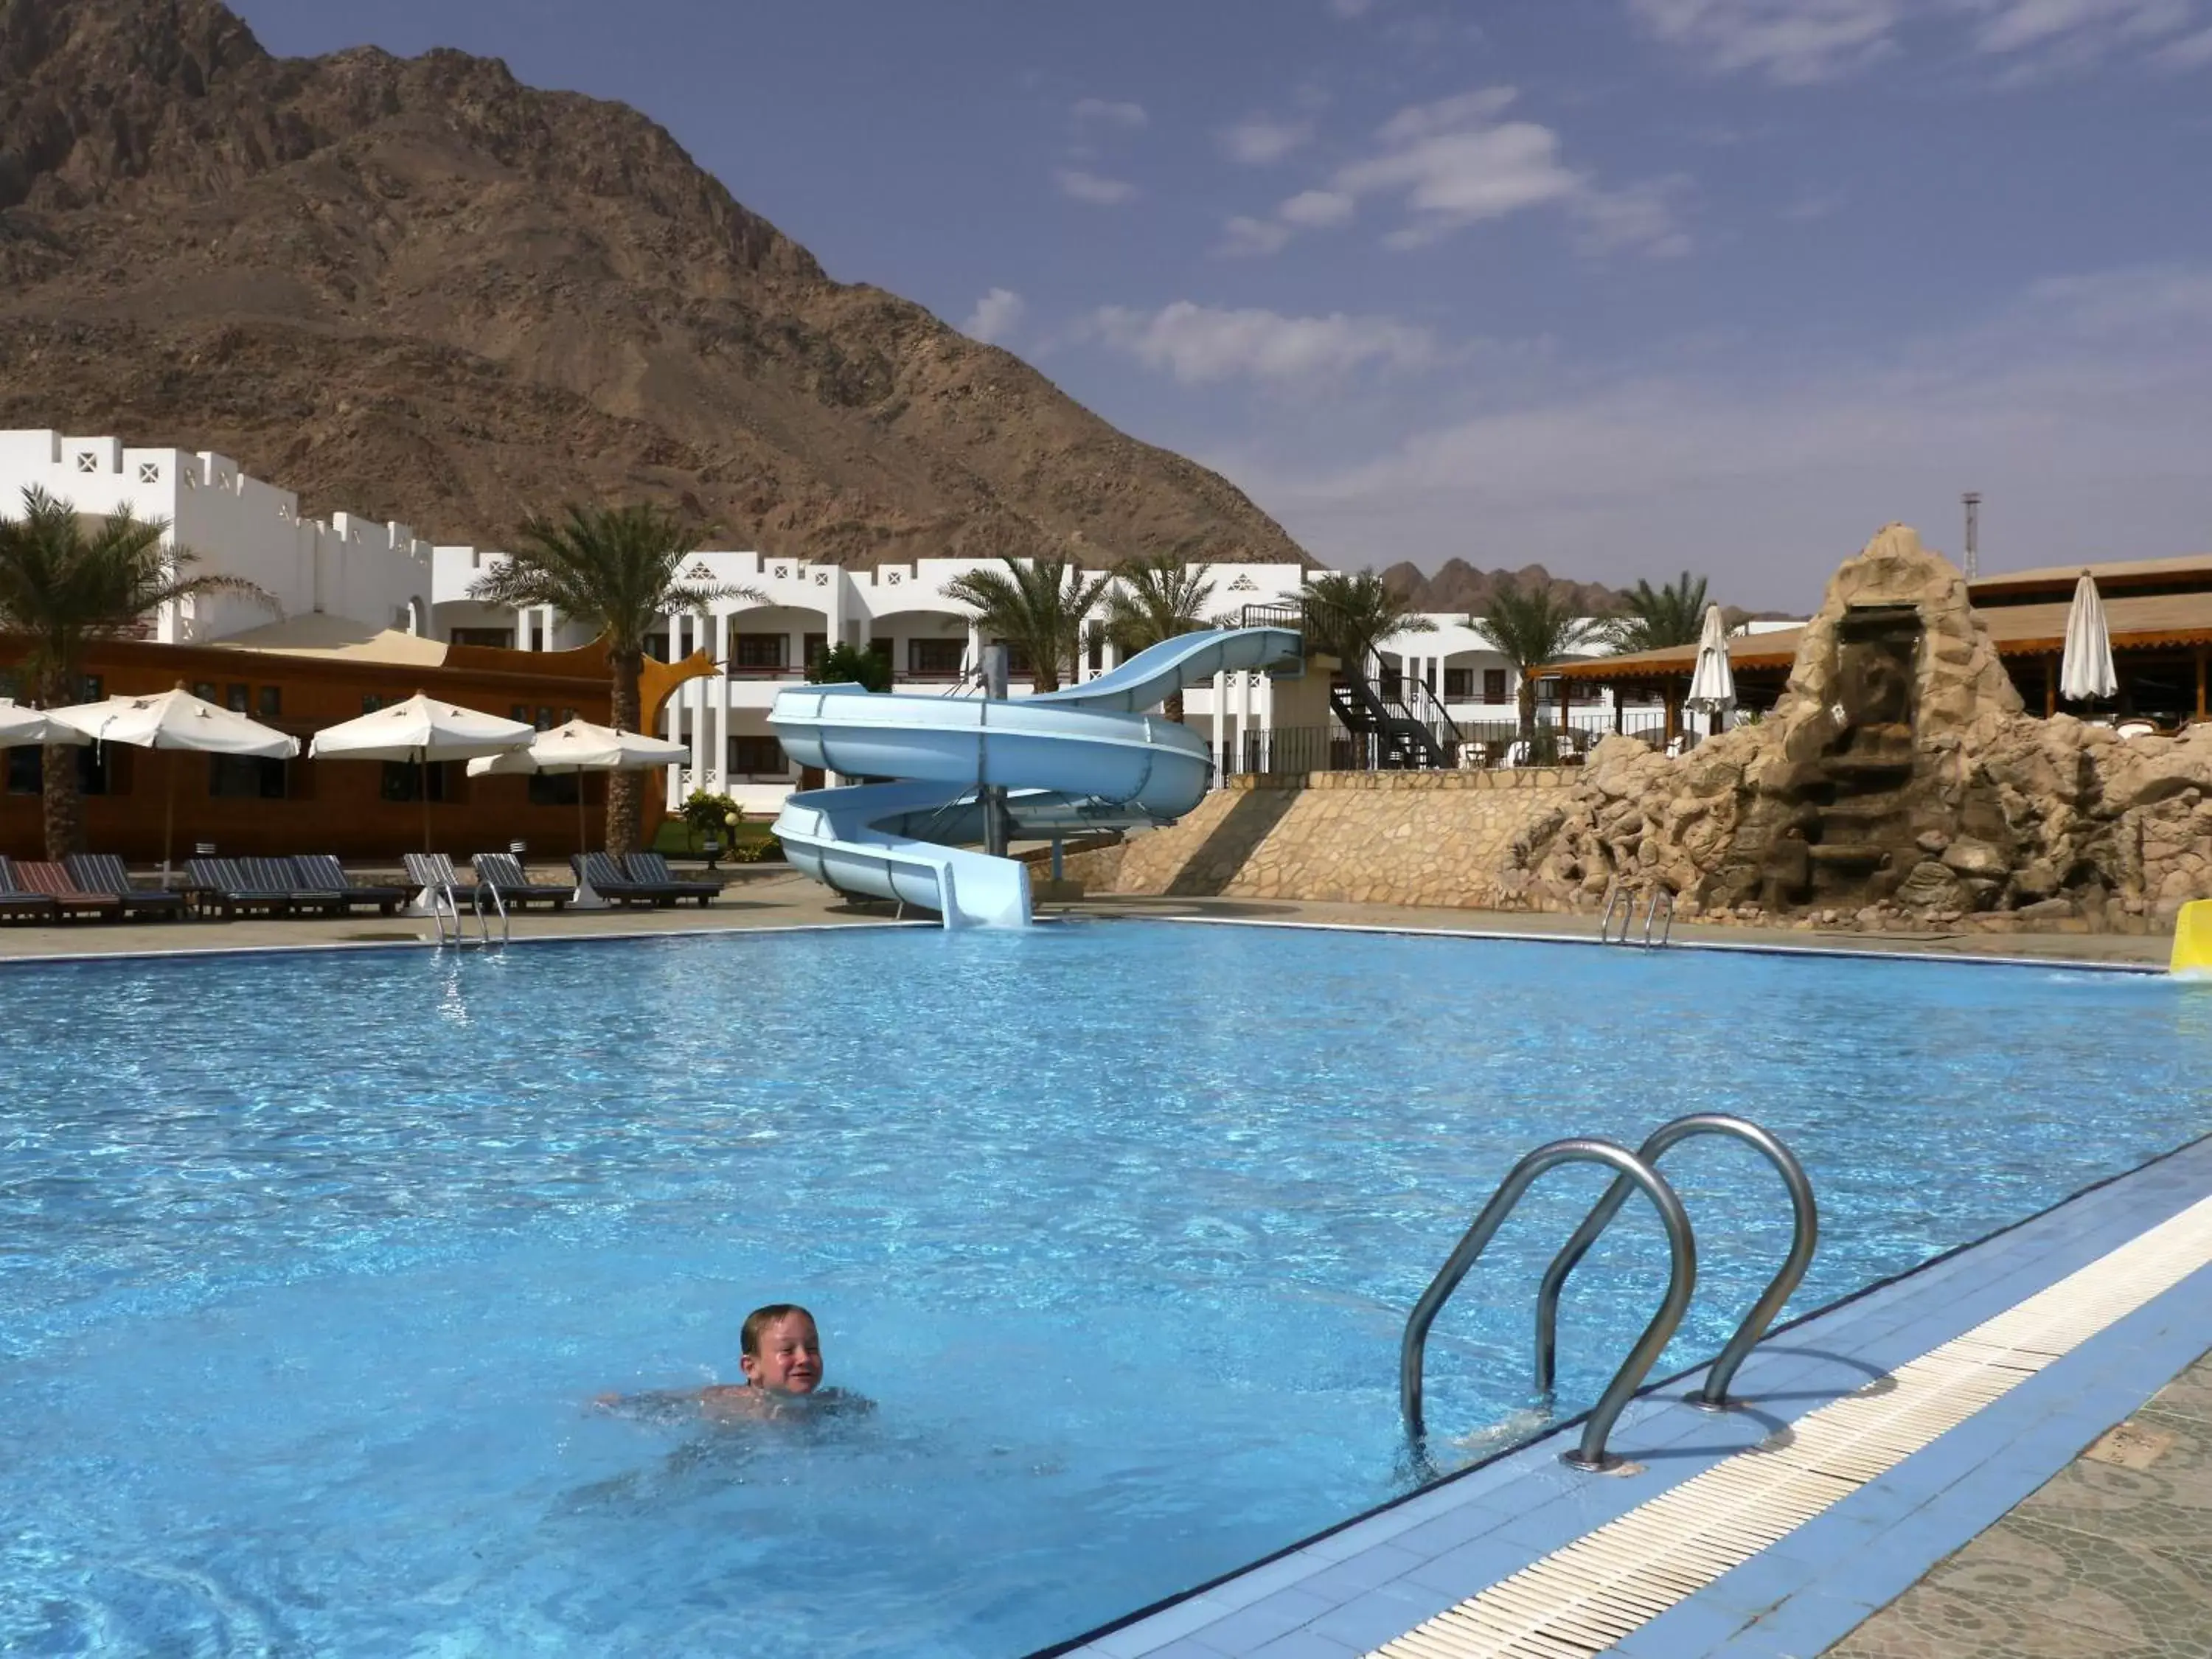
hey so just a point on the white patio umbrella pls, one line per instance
(2085, 673)
(421, 730)
(174, 719)
(1712, 683)
(580, 746)
(21, 728)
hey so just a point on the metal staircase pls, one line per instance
(1398, 715)
(1633, 1172)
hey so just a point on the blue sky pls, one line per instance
(1623, 286)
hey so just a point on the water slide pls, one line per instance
(1079, 759)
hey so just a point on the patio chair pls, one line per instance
(279, 875)
(220, 885)
(18, 904)
(435, 871)
(69, 899)
(653, 870)
(503, 873)
(103, 872)
(605, 877)
(321, 873)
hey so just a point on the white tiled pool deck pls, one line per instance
(1367, 1583)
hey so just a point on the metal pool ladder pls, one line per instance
(1660, 897)
(1633, 1171)
(434, 872)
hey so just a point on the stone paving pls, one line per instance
(2110, 1559)
(2133, 949)
(776, 897)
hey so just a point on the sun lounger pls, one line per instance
(18, 904)
(103, 872)
(321, 873)
(69, 899)
(651, 869)
(221, 885)
(605, 878)
(434, 870)
(279, 875)
(503, 873)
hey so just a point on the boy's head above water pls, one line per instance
(781, 1350)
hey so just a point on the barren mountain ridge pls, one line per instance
(419, 289)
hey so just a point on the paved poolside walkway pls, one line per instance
(774, 898)
(2151, 950)
(2111, 1559)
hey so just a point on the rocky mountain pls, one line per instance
(420, 289)
(1458, 586)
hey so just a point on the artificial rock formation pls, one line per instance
(1898, 783)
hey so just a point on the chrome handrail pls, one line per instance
(1805, 1239)
(1682, 1278)
(483, 922)
(1650, 914)
(1613, 892)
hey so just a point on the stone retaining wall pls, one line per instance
(1364, 837)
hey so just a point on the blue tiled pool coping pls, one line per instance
(1375, 1577)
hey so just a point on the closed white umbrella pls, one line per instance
(2084, 673)
(1712, 683)
(175, 720)
(580, 746)
(21, 728)
(422, 730)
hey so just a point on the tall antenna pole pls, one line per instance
(1973, 500)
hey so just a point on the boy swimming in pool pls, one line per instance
(780, 1351)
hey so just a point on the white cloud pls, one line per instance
(1642, 216)
(2020, 25)
(1452, 163)
(1792, 41)
(1243, 237)
(1094, 188)
(1198, 345)
(997, 315)
(1454, 178)
(2191, 52)
(1447, 114)
(2078, 411)
(1798, 41)
(1261, 139)
(1109, 112)
(1317, 209)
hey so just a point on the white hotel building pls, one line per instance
(377, 593)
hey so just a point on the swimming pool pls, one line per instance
(312, 1260)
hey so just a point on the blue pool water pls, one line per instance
(309, 1264)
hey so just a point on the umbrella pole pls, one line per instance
(168, 812)
(422, 788)
(583, 834)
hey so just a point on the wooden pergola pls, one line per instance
(2159, 612)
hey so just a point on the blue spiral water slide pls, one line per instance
(1083, 758)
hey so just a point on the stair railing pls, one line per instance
(1805, 1238)
(1681, 1281)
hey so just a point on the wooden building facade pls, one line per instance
(359, 810)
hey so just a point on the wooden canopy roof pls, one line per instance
(2136, 623)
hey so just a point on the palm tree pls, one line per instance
(1159, 598)
(614, 569)
(63, 586)
(1529, 627)
(1349, 617)
(1659, 616)
(1040, 605)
